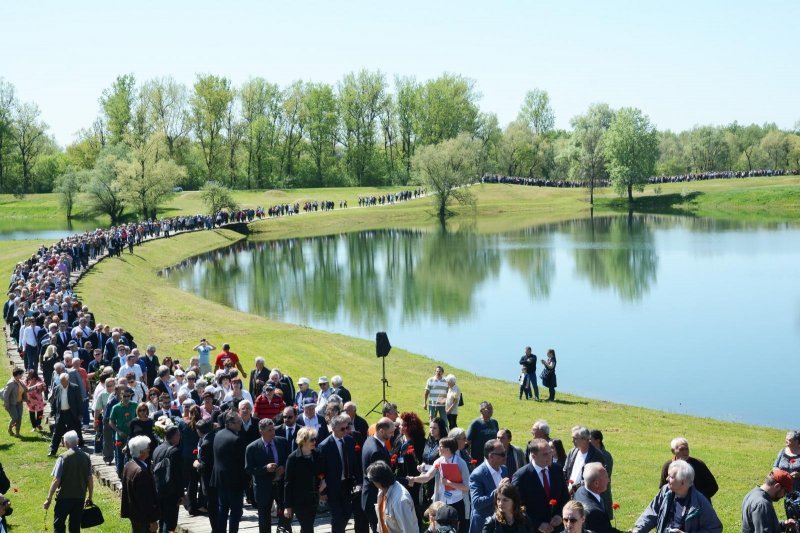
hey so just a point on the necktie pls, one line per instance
(345, 462)
(289, 437)
(546, 483)
(270, 452)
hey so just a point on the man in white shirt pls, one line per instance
(131, 364)
(580, 455)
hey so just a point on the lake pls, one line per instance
(685, 315)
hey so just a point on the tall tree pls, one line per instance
(489, 134)
(631, 150)
(362, 97)
(8, 103)
(167, 103)
(537, 112)
(447, 107)
(261, 103)
(117, 103)
(68, 185)
(209, 106)
(234, 133)
(709, 149)
(106, 192)
(776, 145)
(407, 111)
(589, 133)
(293, 126)
(322, 120)
(28, 132)
(446, 169)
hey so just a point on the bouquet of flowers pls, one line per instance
(209, 377)
(162, 425)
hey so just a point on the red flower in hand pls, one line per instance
(118, 444)
(571, 482)
(615, 506)
(410, 450)
(127, 415)
(473, 462)
(791, 461)
(394, 459)
(194, 451)
(553, 502)
(321, 476)
(357, 448)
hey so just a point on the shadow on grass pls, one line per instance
(569, 402)
(662, 204)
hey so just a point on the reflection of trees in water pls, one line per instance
(619, 253)
(425, 274)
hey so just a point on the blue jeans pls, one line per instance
(230, 503)
(437, 411)
(532, 383)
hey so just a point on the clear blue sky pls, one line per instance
(682, 62)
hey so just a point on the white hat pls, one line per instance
(323, 379)
(303, 381)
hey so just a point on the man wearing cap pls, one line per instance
(304, 393)
(325, 392)
(169, 481)
(758, 512)
(311, 419)
(268, 404)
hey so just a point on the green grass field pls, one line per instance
(128, 291)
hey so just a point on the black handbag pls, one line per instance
(92, 516)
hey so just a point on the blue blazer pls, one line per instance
(372, 451)
(255, 461)
(481, 493)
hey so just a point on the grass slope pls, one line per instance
(129, 292)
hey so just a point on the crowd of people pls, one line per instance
(207, 433)
(391, 198)
(604, 182)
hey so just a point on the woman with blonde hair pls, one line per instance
(303, 483)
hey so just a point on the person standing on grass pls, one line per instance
(16, 393)
(436, 395)
(528, 362)
(72, 480)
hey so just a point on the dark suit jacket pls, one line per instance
(280, 431)
(256, 461)
(704, 480)
(362, 428)
(162, 387)
(592, 456)
(138, 494)
(533, 496)
(372, 450)
(228, 472)
(343, 393)
(256, 376)
(332, 463)
(166, 451)
(251, 434)
(205, 456)
(73, 396)
(596, 516)
(481, 493)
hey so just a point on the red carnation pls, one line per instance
(571, 482)
(553, 502)
(394, 459)
(473, 462)
(357, 448)
(127, 415)
(194, 451)
(409, 450)
(791, 461)
(118, 444)
(615, 506)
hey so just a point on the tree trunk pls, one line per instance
(630, 194)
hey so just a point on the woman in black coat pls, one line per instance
(303, 481)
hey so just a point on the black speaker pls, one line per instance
(382, 346)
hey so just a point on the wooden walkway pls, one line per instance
(107, 475)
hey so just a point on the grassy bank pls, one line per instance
(128, 291)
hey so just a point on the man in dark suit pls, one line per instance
(265, 461)
(339, 390)
(374, 450)
(288, 429)
(139, 488)
(99, 337)
(205, 464)
(162, 382)
(483, 482)
(151, 362)
(111, 346)
(359, 424)
(169, 494)
(65, 405)
(62, 338)
(339, 464)
(582, 454)
(539, 482)
(250, 430)
(228, 476)
(591, 496)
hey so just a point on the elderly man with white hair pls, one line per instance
(72, 479)
(679, 506)
(139, 504)
(65, 406)
(704, 480)
(258, 377)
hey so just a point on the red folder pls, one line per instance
(451, 472)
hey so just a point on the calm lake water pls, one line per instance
(685, 315)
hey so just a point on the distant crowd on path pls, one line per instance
(680, 178)
(392, 198)
(204, 432)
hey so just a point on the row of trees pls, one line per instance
(152, 136)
